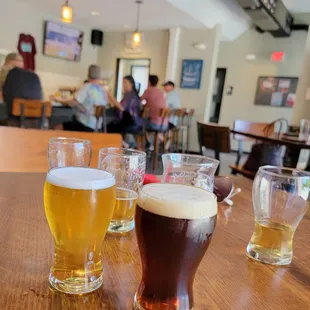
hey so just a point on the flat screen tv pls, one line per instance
(62, 41)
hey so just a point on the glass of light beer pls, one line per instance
(174, 226)
(192, 170)
(280, 198)
(128, 167)
(64, 152)
(79, 204)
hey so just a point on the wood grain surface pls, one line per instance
(272, 139)
(226, 279)
(25, 150)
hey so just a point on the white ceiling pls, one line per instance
(121, 14)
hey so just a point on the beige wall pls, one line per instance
(192, 98)
(243, 74)
(155, 47)
(19, 17)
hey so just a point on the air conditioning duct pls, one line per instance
(269, 15)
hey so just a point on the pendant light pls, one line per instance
(136, 38)
(66, 12)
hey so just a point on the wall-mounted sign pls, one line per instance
(191, 73)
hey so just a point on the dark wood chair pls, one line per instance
(100, 114)
(141, 136)
(214, 137)
(32, 109)
(250, 127)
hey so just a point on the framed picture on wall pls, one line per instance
(191, 73)
(276, 91)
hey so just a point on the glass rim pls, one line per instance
(265, 170)
(141, 189)
(211, 160)
(69, 140)
(135, 153)
(88, 168)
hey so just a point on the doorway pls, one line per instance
(217, 95)
(138, 68)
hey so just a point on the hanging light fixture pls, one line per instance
(136, 38)
(66, 12)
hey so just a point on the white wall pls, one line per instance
(155, 47)
(243, 74)
(197, 98)
(19, 17)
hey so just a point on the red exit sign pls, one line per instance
(277, 56)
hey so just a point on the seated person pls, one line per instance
(86, 99)
(22, 84)
(155, 101)
(12, 60)
(130, 121)
(173, 101)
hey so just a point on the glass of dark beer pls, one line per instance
(174, 226)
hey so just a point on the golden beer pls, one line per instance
(79, 204)
(272, 239)
(125, 207)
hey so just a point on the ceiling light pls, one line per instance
(200, 46)
(66, 12)
(250, 57)
(136, 38)
(95, 13)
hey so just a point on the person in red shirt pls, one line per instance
(155, 101)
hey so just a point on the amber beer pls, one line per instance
(124, 212)
(272, 239)
(79, 204)
(174, 226)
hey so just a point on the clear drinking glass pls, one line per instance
(69, 152)
(304, 131)
(128, 166)
(192, 170)
(79, 204)
(280, 198)
(174, 227)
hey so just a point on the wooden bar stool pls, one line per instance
(141, 136)
(100, 114)
(32, 109)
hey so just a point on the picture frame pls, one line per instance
(191, 73)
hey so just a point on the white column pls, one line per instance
(214, 46)
(173, 51)
(302, 106)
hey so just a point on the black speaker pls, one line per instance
(97, 37)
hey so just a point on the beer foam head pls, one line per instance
(178, 201)
(80, 178)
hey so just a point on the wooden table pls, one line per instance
(226, 279)
(293, 147)
(25, 150)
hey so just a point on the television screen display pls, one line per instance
(62, 41)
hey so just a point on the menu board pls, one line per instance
(276, 91)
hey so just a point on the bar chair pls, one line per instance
(214, 137)
(36, 110)
(100, 114)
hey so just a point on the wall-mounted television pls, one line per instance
(62, 41)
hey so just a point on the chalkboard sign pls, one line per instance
(276, 91)
(191, 73)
